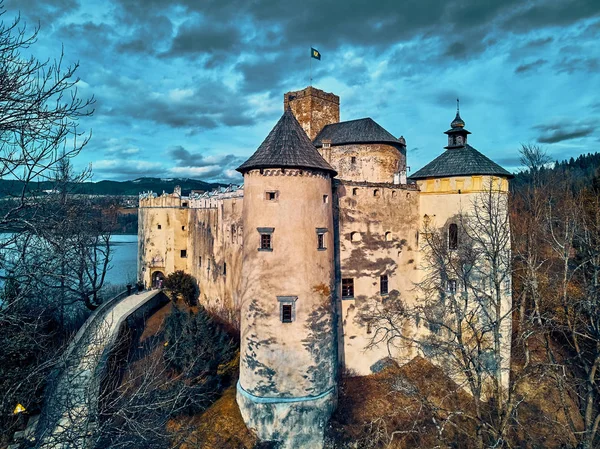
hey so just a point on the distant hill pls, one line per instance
(10, 187)
(583, 171)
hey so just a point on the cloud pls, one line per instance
(197, 165)
(531, 66)
(127, 169)
(576, 64)
(561, 131)
(200, 36)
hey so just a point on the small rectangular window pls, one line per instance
(286, 313)
(200, 261)
(271, 196)
(184, 253)
(348, 288)
(325, 199)
(287, 308)
(184, 204)
(383, 284)
(353, 160)
(159, 227)
(451, 286)
(265, 241)
(321, 238)
(224, 269)
(453, 236)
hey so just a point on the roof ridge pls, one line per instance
(363, 130)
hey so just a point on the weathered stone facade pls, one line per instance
(301, 253)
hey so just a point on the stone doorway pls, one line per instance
(158, 278)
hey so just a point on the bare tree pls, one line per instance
(572, 315)
(463, 314)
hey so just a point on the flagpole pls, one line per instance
(310, 70)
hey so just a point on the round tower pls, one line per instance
(288, 357)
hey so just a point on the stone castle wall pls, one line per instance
(377, 226)
(372, 162)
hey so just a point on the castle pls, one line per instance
(325, 224)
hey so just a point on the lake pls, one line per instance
(123, 265)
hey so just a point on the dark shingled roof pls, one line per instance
(287, 145)
(463, 161)
(363, 130)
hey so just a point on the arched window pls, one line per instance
(355, 236)
(453, 236)
(355, 191)
(388, 236)
(376, 192)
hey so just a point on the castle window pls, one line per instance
(184, 253)
(453, 236)
(376, 192)
(286, 313)
(233, 234)
(200, 261)
(355, 191)
(451, 286)
(326, 145)
(287, 308)
(321, 238)
(184, 204)
(325, 199)
(353, 159)
(183, 228)
(355, 237)
(272, 196)
(388, 236)
(224, 269)
(348, 288)
(266, 240)
(159, 227)
(383, 284)
(394, 193)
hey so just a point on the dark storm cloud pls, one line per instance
(541, 14)
(148, 38)
(43, 11)
(196, 108)
(199, 36)
(575, 64)
(220, 167)
(531, 66)
(184, 158)
(560, 131)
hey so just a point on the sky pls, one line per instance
(190, 88)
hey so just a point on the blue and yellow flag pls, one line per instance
(314, 53)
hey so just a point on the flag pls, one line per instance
(314, 53)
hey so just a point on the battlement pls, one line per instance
(196, 200)
(309, 92)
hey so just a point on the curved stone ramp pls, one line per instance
(70, 409)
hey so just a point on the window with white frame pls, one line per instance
(287, 308)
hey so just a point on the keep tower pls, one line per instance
(288, 357)
(313, 108)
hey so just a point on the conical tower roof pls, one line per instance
(287, 145)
